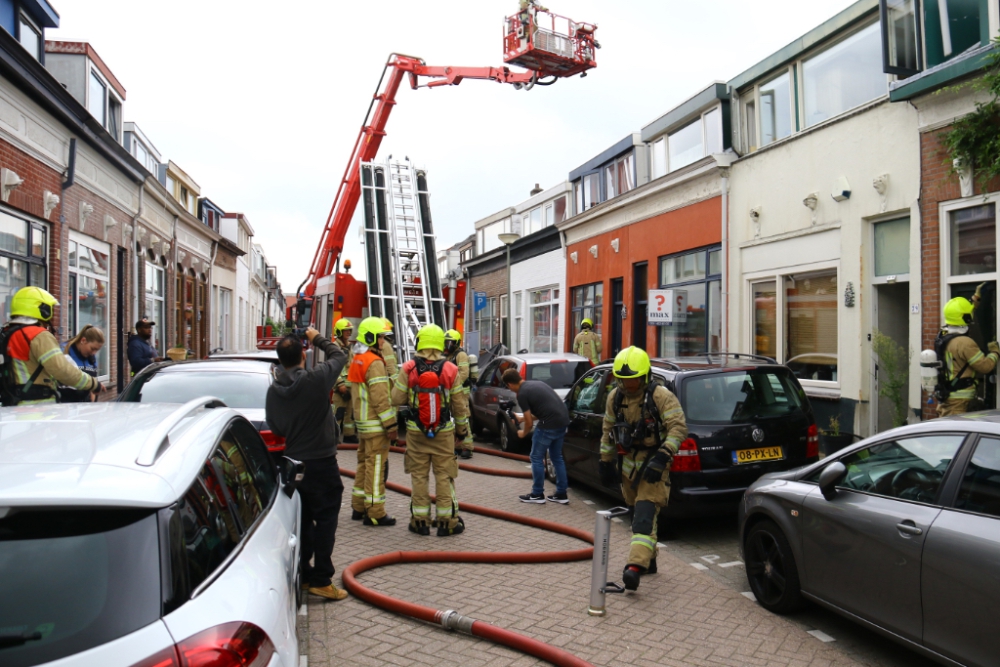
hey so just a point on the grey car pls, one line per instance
(900, 532)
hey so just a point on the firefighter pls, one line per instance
(430, 386)
(587, 343)
(388, 353)
(456, 355)
(963, 360)
(34, 363)
(644, 423)
(374, 419)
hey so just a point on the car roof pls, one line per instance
(205, 365)
(86, 454)
(533, 358)
(262, 355)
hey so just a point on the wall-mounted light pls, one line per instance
(841, 190)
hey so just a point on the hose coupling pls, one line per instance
(452, 620)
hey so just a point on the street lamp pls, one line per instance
(508, 240)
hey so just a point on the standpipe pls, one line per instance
(451, 619)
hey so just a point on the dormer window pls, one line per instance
(104, 105)
(30, 37)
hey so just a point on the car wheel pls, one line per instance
(508, 436)
(771, 569)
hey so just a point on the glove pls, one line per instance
(993, 347)
(657, 464)
(609, 474)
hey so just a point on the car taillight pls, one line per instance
(165, 658)
(230, 645)
(524, 371)
(687, 459)
(812, 442)
(275, 443)
(235, 644)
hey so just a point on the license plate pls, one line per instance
(742, 456)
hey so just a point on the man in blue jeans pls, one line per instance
(540, 402)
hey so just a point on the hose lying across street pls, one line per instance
(452, 620)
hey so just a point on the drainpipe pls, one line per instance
(725, 262)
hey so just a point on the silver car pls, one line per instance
(900, 532)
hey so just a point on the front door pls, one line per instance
(861, 551)
(892, 321)
(640, 293)
(617, 314)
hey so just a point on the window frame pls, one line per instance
(704, 281)
(573, 310)
(22, 20)
(95, 75)
(29, 258)
(162, 299)
(74, 274)
(890, 278)
(821, 388)
(903, 72)
(663, 139)
(944, 211)
(553, 306)
(951, 485)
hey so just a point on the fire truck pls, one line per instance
(401, 281)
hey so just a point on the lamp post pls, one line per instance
(508, 240)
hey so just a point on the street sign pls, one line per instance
(666, 307)
(479, 301)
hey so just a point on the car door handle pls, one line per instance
(292, 541)
(909, 528)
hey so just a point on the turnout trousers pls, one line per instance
(358, 490)
(646, 500)
(376, 449)
(423, 455)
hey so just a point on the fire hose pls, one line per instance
(450, 619)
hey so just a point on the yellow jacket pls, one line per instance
(673, 426)
(588, 344)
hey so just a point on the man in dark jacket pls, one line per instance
(140, 352)
(298, 409)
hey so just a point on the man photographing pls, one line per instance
(298, 409)
(539, 400)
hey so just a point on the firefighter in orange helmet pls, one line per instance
(374, 420)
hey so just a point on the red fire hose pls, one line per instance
(452, 620)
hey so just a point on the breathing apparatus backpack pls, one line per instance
(944, 386)
(633, 437)
(431, 411)
(11, 393)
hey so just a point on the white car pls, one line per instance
(145, 535)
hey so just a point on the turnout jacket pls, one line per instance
(963, 352)
(673, 426)
(454, 396)
(337, 400)
(389, 357)
(33, 345)
(588, 344)
(461, 360)
(373, 413)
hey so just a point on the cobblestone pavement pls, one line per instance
(682, 616)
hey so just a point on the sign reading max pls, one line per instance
(667, 307)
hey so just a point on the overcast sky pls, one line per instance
(262, 106)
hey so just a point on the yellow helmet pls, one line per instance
(430, 337)
(632, 362)
(33, 302)
(587, 322)
(958, 312)
(452, 334)
(342, 325)
(369, 330)
(387, 323)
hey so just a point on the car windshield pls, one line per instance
(558, 374)
(236, 389)
(742, 396)
(74, 579)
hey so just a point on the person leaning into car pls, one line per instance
(297, 408)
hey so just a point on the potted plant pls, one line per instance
(831, 439)
(893, 374)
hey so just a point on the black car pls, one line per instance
(241, 383)
(746, 416)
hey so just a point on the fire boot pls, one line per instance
(381, 521)
(420, 527)
(652, 566)
(445, 531)
(356, 515)
(466, 454)
(631, 577)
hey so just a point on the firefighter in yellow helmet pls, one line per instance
(437, 419)
(34, 362)
(644, 423)
(375, 422)
(388, 353)
(456, 355)
(587, 343)
(962, 359)
(343, 330)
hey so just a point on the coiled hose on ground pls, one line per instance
(452, 620)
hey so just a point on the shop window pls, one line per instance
(775, 109)
(697, 275)
(892, 248)
(846, 75)
(544, 320)
(23, 254)
(811, 325)
(588, 302)
(88, 290)
(973, 240)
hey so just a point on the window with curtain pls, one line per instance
(588, 302)
(697, 274)
(811, 302)
(543, 306)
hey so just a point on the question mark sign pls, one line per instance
(660, 300)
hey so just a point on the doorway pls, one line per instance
(640, 293)
(617, 314)
(891, 319)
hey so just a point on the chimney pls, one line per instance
(535, 190)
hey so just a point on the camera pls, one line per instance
(507, 407)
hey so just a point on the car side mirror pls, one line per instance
(831, 476)
(292, 472)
